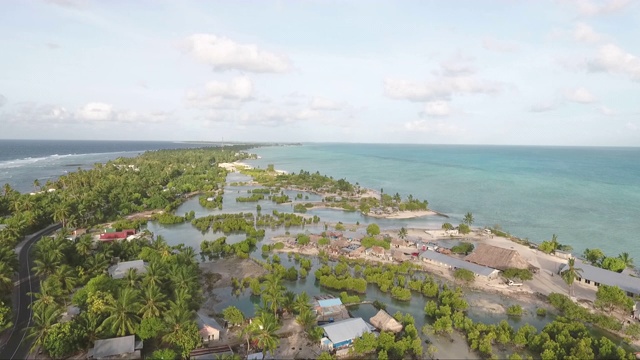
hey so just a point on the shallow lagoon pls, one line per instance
(187, 234)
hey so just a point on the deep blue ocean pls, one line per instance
(589, 197)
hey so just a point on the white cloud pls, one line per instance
(269, 117)
(607, 111)
(95, 111)
(631, 126)
(435, 128)
(580, 95)
(320, 103)
(612, 59)
(492, 44)
(75, 4)
(225, 54)
(438, 89)
(584, 33)
(458, 64)
(598, 7)
(438, 108)
(545, 106)
(218, 94)
(3, 100)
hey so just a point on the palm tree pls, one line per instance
(302, 302)
(44, 317)
(154, 274)
(273, 292)
(154, 302)
(6, 278)
(628, 260)
(97, 264)
(124, 313)
(46, 264)
(247, 333)
(132, 278)
(83, 245)
(288, 302)
(570, 274)
(50, 294)
(61, 214)
(36, 184)
(8, 257)
(67, 278)
(468, 219)
(402, 234)
(265, 334)
(306, 319)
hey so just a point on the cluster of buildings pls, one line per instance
(341, 331)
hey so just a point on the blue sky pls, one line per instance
(563, 72)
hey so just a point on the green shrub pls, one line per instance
(514, 310)
(541, 312)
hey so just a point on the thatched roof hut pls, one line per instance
(497, 258)
(385, 322)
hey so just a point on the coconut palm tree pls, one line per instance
(570, 274)
(468, 218)
(154, 274)
(50, 294)
(6, 278)
(306, 319)
(628, 260)
(288, 302)
(83, 245)
(124, 313)
(402, 234)
(61, 213)
(301, 302)
(154, 302)
(44, 317)
(247, 333)
(132, 278)
(67, 278)
(273, 292)
(46, 264)
(97, 264)
(265, 334)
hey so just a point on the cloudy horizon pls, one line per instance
(557, 72)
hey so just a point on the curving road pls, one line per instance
(17, 346)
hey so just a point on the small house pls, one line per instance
(125, 347)
(385, 322)
(341, 334)
(209, 329)
(120, 270)
(378, 251)
(452, 263)
(397, 243)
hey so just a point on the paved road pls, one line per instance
(17, 347)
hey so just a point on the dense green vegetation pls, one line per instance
(157, 306)
(596, 257)
(565, 337)
(155, 180)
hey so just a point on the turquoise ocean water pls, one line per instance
(589, 197)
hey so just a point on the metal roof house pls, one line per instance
(342, 333)
(119, 270)
(125, 347)
(209, 328)
(455, 263)
(594, 276)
